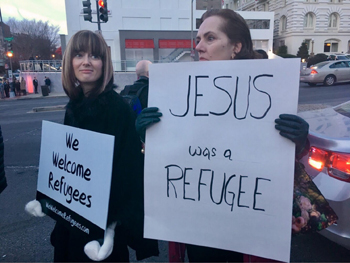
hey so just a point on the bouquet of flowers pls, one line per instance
(311, 211)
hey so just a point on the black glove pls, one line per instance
(146, 117)
(293, 128)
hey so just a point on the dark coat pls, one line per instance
(3, 182)
(132, 89)
(47, 82)
(109, 114)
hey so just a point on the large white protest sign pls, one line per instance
(217, 172)
(75, 172)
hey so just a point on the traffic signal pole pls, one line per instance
(98, 17)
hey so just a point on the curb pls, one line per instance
(34, 96)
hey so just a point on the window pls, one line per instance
(261, 44)
(341, 64)
(333, 20)
(283, 24)
(258, 23)
(330, 46)
(311, 1)
(309, 20)
(335, 1)
(266, 6)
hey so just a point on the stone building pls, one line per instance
(324, 25)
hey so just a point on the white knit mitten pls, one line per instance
(34, 208)
(96, 252)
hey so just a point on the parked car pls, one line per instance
(326, 72)
(340, 56)
(328, 164)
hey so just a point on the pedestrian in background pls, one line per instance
(35, 84)
(3, 182)
(142, 74)
(23, 86)
(17, 85)
(7, 88)
(2, 89)
(48, 83)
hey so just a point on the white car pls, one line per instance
(328, 164)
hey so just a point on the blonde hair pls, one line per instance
(92, 43)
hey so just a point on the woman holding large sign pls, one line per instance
(87, 78)
(224, 35)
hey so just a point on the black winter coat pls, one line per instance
(132, 90)
(109, 114)
(3, 182)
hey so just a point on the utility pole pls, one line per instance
(192, 51)
(98, 17)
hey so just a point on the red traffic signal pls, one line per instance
(103, 12)
(101, 3)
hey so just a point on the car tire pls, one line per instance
(329, 80)
(311, 84)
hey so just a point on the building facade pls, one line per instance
(324, 25)
(157, 30)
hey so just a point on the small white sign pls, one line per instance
(75, 170)
(217, 172)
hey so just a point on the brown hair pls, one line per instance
(92, 43)
(236, 30)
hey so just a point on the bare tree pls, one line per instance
(33, 38)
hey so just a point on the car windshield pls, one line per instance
(343, 109)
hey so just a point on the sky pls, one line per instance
(53, 11)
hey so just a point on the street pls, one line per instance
(27, 239)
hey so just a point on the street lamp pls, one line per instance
(9, 54)
(312, 47)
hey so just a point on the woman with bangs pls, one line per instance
(87, 78)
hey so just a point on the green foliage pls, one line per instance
(288, 56)
(316, 59)
(282, 50)
(303, 51)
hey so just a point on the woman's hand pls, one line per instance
(146, 117)
(293, 128)
(34, 208)
(95, 251)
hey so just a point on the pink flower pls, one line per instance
(304, 203)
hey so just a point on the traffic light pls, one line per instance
(9, 46)
(9, 54)
(87, 10)
(103, 10)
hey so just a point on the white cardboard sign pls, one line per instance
(75, 170)
(217, 172)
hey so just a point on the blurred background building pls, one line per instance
(324, 25)
(158, 30)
